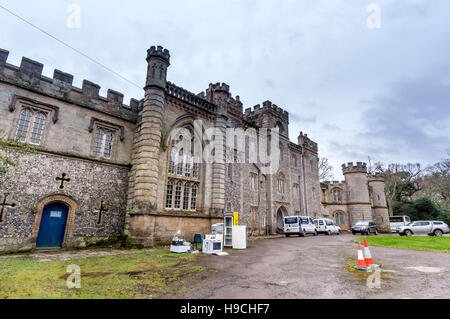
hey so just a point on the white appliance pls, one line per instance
(217, 229)
(179, 246)
(227, 230)
(239, 237)
(212, 244)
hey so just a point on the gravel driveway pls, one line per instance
(315, 267)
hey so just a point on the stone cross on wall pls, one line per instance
(100, 211)
(5, 205)
(62, 180)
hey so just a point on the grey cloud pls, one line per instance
(413, 117)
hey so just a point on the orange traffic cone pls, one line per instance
(368, 257)
(361, 263)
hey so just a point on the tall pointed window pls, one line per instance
(253, 181)
(178, 194)
(188, 166)
(195, 169)
(183, 179)
(169, 194)
(186, 196)
(180, 163)
(194, 197)
(172, 162)
(281, 183)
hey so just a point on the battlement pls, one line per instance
(219, 87)
(267, 106)
(378, 177)
(360, 167)
(306, 142)
(29, 76)
(337, 184)
(158, 52)
(191, 98)
(221, 92)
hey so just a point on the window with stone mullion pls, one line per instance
(31, 126)
(181, 190)
(181, 195)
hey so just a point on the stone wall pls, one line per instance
(33, 181)
(138, 167)
(166, 227)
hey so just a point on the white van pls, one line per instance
(326, 226)
(299, 225)
(397, 222)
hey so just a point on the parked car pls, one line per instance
(337, 229)
(308, 226)
(398, 221)
(365, 228)
(299, 225)
(326, 226)
(431, 228)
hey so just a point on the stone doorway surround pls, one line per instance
(51, 199)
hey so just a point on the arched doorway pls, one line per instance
(281, 213)
(53, 225)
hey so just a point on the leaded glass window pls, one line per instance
(183, 179)
(103, 143)
(31, 126)
(24, 124)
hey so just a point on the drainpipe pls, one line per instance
(305, 204)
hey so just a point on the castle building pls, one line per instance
(360, 198)
(98, 169)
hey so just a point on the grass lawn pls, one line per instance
(156, 274)
(440, 244)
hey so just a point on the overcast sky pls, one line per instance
(357, 91)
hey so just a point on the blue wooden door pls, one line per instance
(53, 225)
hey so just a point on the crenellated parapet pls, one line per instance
(377, 177)
(184, 95)
(218, 87)
(306, 142)
(219, 94)
(267, 106)
(334, 184)
(29, 76)
(349, 168)
(159, 52)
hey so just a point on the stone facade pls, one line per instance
(360, 198)
(120, 158)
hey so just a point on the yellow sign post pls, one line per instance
(236, 219)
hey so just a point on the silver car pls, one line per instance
(431, 228)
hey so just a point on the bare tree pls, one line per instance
(325, 170)
(401, 180)
(436, 184)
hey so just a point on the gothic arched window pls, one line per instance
(183, 179)
(339, 218)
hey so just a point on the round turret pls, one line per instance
(158, 60)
